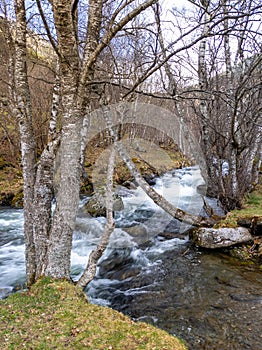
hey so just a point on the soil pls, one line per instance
(152, 159)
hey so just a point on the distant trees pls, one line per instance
(224, 96)
(229, 112)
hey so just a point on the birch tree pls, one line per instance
(220, 91)
(229, 113)
(48, 235)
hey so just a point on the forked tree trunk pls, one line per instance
(54, 256)
(43, 196)
(74, 102)
(67, 199)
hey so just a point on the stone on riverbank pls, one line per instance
(213, 238)
(96, 205)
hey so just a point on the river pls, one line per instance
(151, 271)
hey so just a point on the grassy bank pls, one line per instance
(250, 216)
(56, 315)
(252, 210)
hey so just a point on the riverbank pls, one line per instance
(152, 159)
(57, 315)
(250, 216)
(251, 212)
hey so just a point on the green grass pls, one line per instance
(254, 199)
(57, 315)
(252, 208)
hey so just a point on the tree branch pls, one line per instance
(48, 32)
(177, 213)
(109, 35)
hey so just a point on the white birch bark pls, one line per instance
(63, 220)
(44, 185)
(28, 145)
(209, 167)
(52, 134)
(60, 238)
(96, 254)
(43, 196)
(202, 73)
(231, 114)
(75, 99)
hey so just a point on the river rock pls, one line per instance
(221, 237)
(202, 189)
(96, 205)
(150, 179)
(138, 233)
(123, 192)
(5, 292)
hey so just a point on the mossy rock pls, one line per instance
(96, 205)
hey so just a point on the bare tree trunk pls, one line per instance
(44, 186)
(96, 254)
(172, 86)
(67, 200)
(231, 114)
(28, 145)
(207, 147)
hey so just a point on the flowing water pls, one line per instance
(151, 272)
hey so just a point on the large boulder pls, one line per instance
(220, 237)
